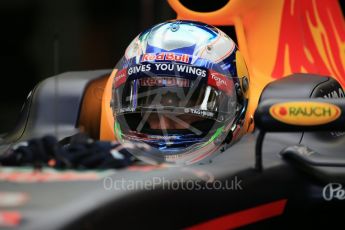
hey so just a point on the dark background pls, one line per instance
(40, 38)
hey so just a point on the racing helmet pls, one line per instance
(177, 89)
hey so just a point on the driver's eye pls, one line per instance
(169, 99)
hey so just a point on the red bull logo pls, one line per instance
(166, 57)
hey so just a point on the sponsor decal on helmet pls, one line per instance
(138, 69)
(200, 112)
(305, 113)
(126, 110)
(120, 78)
(220, 81)
(165, 57)
(164, 81)
(166, 69)
(163, 137)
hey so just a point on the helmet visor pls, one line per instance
(211, 97)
